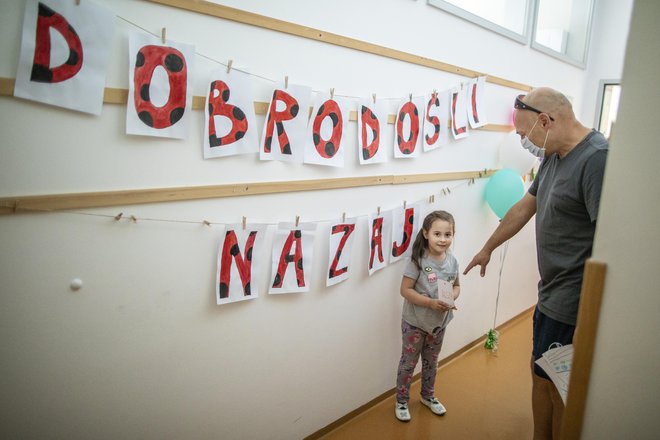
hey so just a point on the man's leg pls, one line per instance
(542, 407)
(547, 406)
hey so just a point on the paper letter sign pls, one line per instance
(380, 226)
(341, 243)
(159, 95)
(477, 111)
(372, 120)
(64, 54)
(404, 222)
(287, 114)
(408, 128)
(237, 264)
(326, 128)
(436, 129)
(459, 112)
(230, 119)
(293, 248)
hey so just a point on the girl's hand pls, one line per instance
(439, 306)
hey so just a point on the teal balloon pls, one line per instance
(503, 190)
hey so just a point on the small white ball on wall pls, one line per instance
(76, 284)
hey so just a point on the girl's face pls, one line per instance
(439, 236)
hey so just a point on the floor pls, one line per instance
(487, 397)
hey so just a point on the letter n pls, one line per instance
(232, 252)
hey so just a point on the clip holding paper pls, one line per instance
(297, 220)
(332, 93)
(378, 211)
(162, 35)
(206, 223)
(118, 216)
(373, 95)
(229, 63)
(410, 97)
(244, 222)
(404, 204)
(343, 217)
(432, 198)
(286, 82)
(134, 219)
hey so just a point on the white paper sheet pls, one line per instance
(285, 126)
(159, 86)
(65, 50)
(232, 128)
(326, 130)
(239, 265)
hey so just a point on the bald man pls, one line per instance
(565, 197)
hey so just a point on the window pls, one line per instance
(507, 17)
(562, 29)
(608, 103)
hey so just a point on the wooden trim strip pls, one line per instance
(454, 356)
(262, 21)
(55, 202)
(120, 96)
(584, 341)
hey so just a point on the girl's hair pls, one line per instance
(421, 243)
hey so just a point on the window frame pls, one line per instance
(599, 99)
(555, 54)
(523, 38)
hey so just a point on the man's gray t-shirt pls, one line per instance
(567, 192)
(424, 318)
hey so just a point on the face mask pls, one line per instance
(531, 146)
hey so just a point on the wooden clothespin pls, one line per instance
(297, 220)
(286, 82)
(162, 35)
(404, 204)
(332, 93)
(373, 95)
(343, 217)
(244, 222)
(229, 63)
(378, 212)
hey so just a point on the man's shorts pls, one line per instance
(547, 332)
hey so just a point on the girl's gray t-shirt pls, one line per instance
(424, 318)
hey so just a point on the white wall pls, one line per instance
(624, 387)
(142, 351)
(606, 52)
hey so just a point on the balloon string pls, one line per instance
(499, 281)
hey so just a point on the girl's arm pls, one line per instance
(408, 292)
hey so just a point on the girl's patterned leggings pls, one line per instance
(416, 342)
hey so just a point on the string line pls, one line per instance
(250, 73)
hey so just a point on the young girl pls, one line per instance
(431, 271)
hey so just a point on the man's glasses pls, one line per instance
(522, 106)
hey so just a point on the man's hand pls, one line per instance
(481, 259)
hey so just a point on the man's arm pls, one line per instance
(513, 221)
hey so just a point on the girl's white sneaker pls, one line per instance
(435, 405)
(401, 412)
